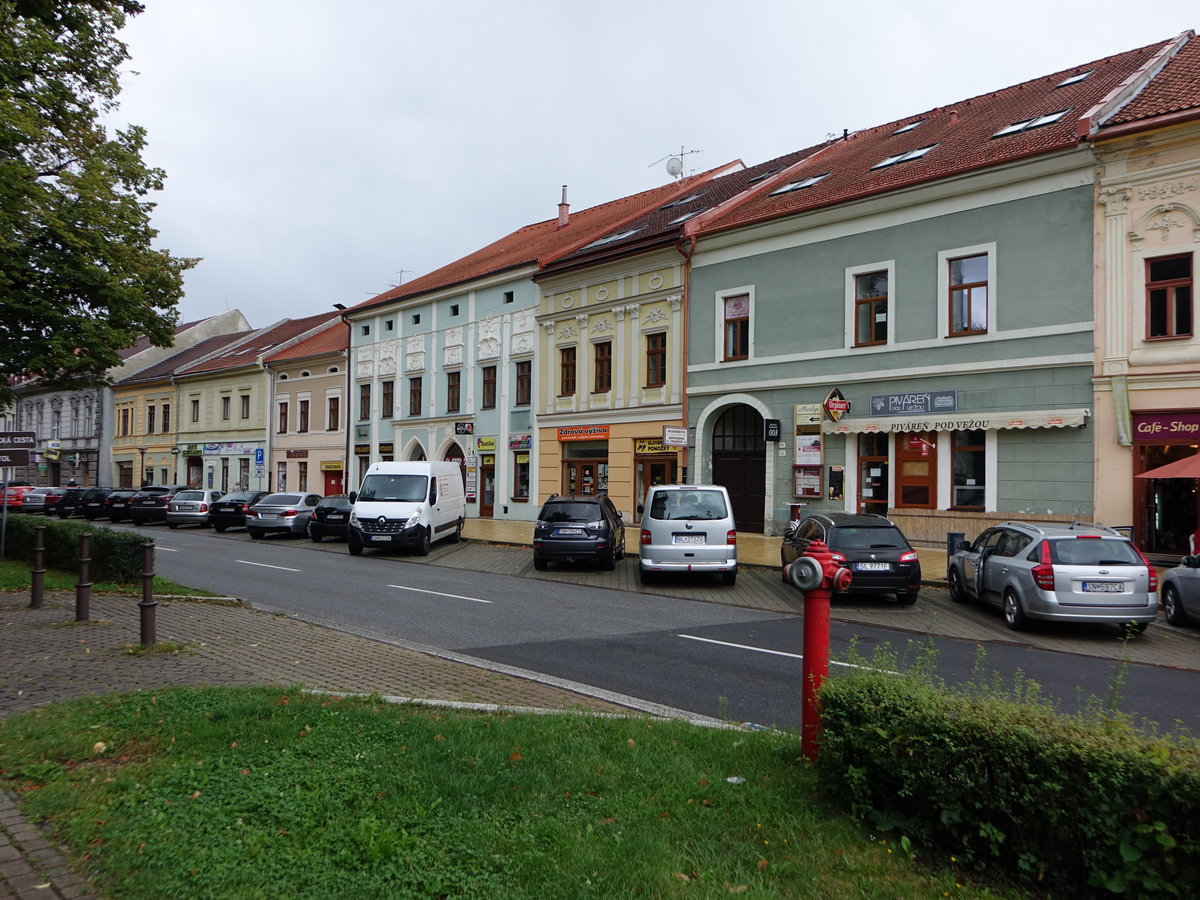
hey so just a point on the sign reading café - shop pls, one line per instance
(1166, 427)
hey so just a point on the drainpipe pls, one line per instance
(345, 405)
(683, 344)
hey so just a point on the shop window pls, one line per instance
(737, 327)
(968, 463)
(488, 400)
(603, 361)
(566, 371)
(873, 483)
(656, 359)
(302, 476)
(969, 295)
(414, 396)
(1169, 297)
(870, 308)
(387, 399)
(521, 475)
(524, 383)
(916, 470)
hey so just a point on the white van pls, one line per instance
(410, 504)
(688, 528)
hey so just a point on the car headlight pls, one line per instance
(353, 517)
(414, 519)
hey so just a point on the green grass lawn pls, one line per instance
(238, 792)
(15, 575)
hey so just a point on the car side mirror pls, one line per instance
(1192, 562)
(964, 545)
(352, 496)
(620, 515)
(641, 509)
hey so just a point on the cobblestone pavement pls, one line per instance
(46, 656)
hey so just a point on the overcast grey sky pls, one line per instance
(318, 152)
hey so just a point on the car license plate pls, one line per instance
(872, 567)
(1103, 587)
(336, 518)
(568, 531)
(380, 537)
(689, 539)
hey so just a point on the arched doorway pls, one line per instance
(739, 462)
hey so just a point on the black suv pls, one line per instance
(70, 503)
(91, 503)
(150, 503)
(572, 528)
(330, 518)
(878, 555)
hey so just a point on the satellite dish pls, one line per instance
(674, 166)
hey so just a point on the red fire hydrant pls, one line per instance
(817, 575)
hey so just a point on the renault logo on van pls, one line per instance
(382, 520)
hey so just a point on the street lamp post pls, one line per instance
(142, 469)
(175, 465)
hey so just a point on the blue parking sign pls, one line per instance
(259, 456)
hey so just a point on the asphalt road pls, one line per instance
(704, 657)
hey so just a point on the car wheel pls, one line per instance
(1134, 628)
(114, 519)
(354, 543)
(172, 525)
(609, 561)
(645, 576)
(220, 529)
(539, 563)
(1172, 607)
(315, 535)
(457, 536)
(957, 594)
(1014, 615)
(729, 578)
(426, 543)
(255, 533)
(908, 598)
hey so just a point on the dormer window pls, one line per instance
(904, 157)
(799, 185)
(1035, 122)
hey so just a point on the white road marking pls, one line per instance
(401, 587)
(265, 566)
(832, 662)
(166, 549)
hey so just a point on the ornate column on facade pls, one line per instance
(1114, 365)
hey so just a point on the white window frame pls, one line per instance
(943, 290)
(889, 266)
(719, 329)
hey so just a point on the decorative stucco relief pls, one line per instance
(523, 320)
(1165, 219)
(387, 365)
(488, 348)
(415, 343)
(1169, 189)
(603, 325)
(567, 331)
(363, 368)
(415, 362)
(452, 356)
(522, 343)
(454, 336)
(656, 315)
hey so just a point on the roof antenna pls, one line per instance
(675, 162)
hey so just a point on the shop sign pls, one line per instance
(807, 413)
(836, 405)
(521, 458)
(192, 450)
(362, 449)
(485, 444)
(647, 446)
(464, 427)
(331, 465)
(1166, 427)
(914, 403)
(583, 433)
(521, 442)
(297, 454)
(386, 449)
(771, 429)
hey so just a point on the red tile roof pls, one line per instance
(261, 342)
(181, 360)
(528, 245)
(333, 339)
(1175, 89)
(963, 137)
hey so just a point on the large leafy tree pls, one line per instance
(79, 277)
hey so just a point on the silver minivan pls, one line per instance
(687, 528)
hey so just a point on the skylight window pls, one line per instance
(683, 201)
(680, 219)
(767, 174)
(904, 157)
(1075, 79)
(798, 185)
(909, 127)
(1035, 122)
(615, 236)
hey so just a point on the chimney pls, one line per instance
(564, 210)
(954, 117)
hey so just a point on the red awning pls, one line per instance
(1189, 467)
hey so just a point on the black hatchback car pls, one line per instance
(116, 504)
(150, 503)
(230, 511)
(91, 503)
(70, 503)
(878, 555)
(574, 528)
(330, 518)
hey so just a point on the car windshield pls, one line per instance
(280, 500)
(1093, 552)
(238, 498)
(392, 488)
(571, 512)
(688, 505)
(851, 537)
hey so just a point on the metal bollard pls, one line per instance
(83, 589)
(38, 589)
(148, 604)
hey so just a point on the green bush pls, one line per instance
(116, 555)
(1085, 806)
